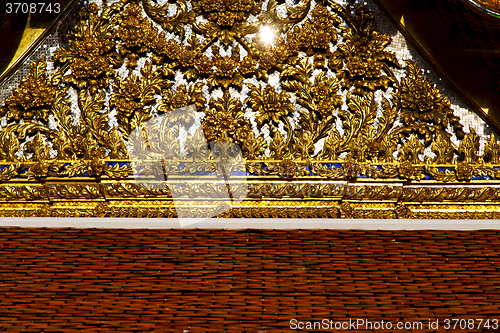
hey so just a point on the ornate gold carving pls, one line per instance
(338, 116)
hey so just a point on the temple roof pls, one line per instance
(243, 281)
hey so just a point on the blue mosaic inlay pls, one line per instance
(20, 173)
(120, 164)
(427, 176)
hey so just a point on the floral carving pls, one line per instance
(362, 61)
(226, 73)
(422, 102)
(318, 32)
(34, 98)
(408, 171)
(464, 171)
(324, 94)
(137, 34)
(270, 105)
(403, 212)
(134, 96)
(182, 97)
(225, 120)
(91, 55)
(322, 90)
(346, 210)
(227, 20)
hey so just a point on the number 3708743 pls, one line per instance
(32, 8)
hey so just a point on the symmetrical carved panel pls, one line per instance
(309, 93)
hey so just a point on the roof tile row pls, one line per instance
(68, 280)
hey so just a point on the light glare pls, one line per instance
(267, 35)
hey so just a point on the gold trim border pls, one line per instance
(257, 209)
(351, 199)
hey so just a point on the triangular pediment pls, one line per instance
(241, 108)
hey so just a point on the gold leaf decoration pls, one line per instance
(317, 101)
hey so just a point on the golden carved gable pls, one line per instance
(254, 109)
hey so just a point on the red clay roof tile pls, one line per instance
(245, 280)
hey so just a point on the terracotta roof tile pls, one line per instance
(68, 280)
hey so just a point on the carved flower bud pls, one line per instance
(203, 64)
(247, 65)
(464, 171)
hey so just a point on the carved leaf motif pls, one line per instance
(9, 146)
(362, 114)
(114, 143)
(63, 116)
(197, 147)
(388, 146)
(389, 114)
(91, 108)
(253, 148)
(38, 148)
(332, 146)
(175, 23)
(8, 172)
(443, 175)
(443, 149)
(492, 150)
(487, 171)
(411, 150)
(116, 171)
(295, 14)
(469, 147)
(12, 135)
(278, 147)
